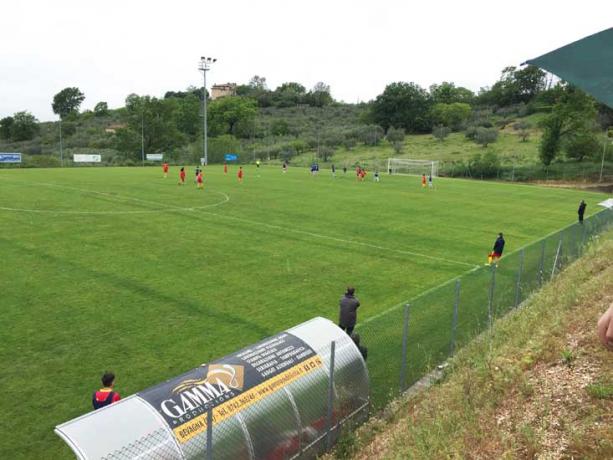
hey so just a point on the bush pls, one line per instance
(471, 132)
(486, 136)
(484, 166)
(441, 132)
(42, 161)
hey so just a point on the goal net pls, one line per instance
(405, 166)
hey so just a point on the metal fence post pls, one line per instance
(330, 396)
(209, 434)
(454, 323)
(555, 261)
(405, 344)
(541, 264)
(519, 272)
(576, 241)
(490, 303)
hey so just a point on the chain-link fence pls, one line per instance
(411, 340)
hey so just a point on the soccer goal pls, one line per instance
(408, 167)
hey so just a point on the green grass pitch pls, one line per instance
(119, 268)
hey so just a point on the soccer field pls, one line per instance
(121, 269)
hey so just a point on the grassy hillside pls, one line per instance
(540, 386)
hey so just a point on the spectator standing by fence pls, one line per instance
(496, 251)
(348, 310)
(581, 210)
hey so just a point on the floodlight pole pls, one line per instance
(142, 135)
(205, 65)
(61, 149)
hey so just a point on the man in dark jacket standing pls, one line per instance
(581, 211)
(497, 250)
(348, 310)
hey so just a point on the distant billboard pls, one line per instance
(155, 156)
(230, 157)
(83, 158)
(10, 157)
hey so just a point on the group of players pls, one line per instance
(199, 179)
(359, 171)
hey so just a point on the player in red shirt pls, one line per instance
(225, 168)
(423, 181)
(199, 180)
(240, 174)
(105, 396)
(165, 169)
(182, 176)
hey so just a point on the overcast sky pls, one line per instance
(113, 48)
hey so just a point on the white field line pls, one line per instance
(341, 240)
(267, 225)
(112, 196)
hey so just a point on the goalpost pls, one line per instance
(408, 167)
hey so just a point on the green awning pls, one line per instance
(586, 63)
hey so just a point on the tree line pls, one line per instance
(174, 121)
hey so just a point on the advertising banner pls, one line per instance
(10, 157)
(230, 157)
(231, 384)
(83, 158)
(155, 156)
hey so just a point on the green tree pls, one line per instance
(67, 102)
(523, 130)
(448, 93)
(101, 109)
(574, 113)
(155, 120)
(514, 86)
(441, 132)
(225, 113)
(551, 140)
(24, 127)
(403, 105)
(279, 127)
(187, 115)
(395, 136)
(452, 115)
(580, 145)
(5, 127)
(319, 96)
(486, 136)
(370, 134)
(289, 94)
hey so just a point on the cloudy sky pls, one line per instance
(113, 48)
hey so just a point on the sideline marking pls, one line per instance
(247, 221)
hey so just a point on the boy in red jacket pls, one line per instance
(105, 396)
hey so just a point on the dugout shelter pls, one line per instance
(273, 399)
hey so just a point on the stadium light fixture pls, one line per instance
(204, 66)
